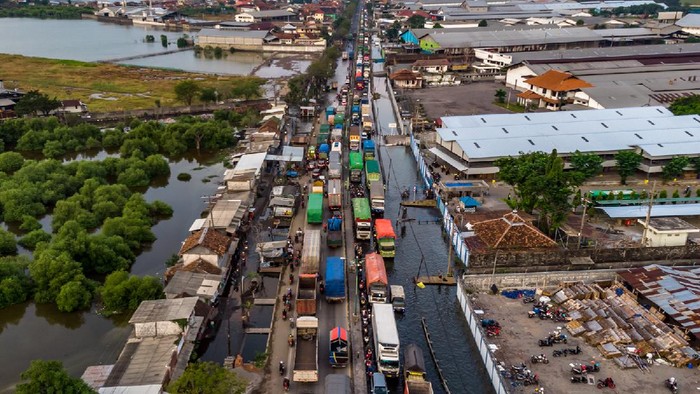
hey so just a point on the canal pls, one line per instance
(31, 331)
(454, 347)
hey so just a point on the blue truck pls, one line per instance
(334, 238)
(368, 149)
(335, 280)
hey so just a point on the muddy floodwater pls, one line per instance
(29, 331)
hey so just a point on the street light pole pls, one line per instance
(585, 203)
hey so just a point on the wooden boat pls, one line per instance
(420, 203)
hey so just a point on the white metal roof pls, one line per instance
(640, 211)
(445, 157)
(253, 161)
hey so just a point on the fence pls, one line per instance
(459, 247)
(479, 338)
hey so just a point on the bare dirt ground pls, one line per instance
(518, 341)
(467, 99)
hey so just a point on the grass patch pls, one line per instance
(206, 180)
(183, 176)
(511, 107)
(133, 87)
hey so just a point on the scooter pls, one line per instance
(539, 359)
(528, 300)
(285, 384)
(546, 342)
(672, 384)
(282, 368)
(607, 383)
(579, 379)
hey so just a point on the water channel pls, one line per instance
(90, 40)
(30, 331)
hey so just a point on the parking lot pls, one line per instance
(467, 99)
(518, 341)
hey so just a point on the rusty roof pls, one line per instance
(511, 231)
(675, 290)
(558, 81)
(431, 62)
(405, 75)
(208, 238)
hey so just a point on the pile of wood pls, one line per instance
(613, 322)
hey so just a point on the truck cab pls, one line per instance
(398, 298)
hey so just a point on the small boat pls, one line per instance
(420, 203)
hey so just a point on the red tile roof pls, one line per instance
(511, 232)
(405, 75)
(208, 238)
(558, 81)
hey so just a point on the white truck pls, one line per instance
(386, 340)
(376, 197)
(306, 352)
(334, 166)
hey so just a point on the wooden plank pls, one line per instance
(436, 280)
(264, 301)
(254, 330)
(420, 203)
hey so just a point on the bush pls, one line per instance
(123, 293)
(183, 176)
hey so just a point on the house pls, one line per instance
(432, 66)
(242, 40)
(690, 24)
(157, 318)
(406, 79)
(508, 232)
(667, 231)
(266, 16)
(207, 247)
(6, 104)
(73, 107)
(551, 90)
(194, 284)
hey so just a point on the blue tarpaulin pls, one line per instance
(515, 294)
(469, 202)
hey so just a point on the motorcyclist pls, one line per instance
(285, 384)
(281, 367)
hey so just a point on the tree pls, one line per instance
(247, 88)
(122, 292)
(437, 26)
(627, 163)
(674, 168)
(540, 183)
(207, 378)
(580, 22)
(686, 106)
(186, 91)
(483, 23)
(36, 102)
(501, 96)
(33, 238)
(208, 95)
(392, 33)
(10, 162)
(8, 245)
(74, 296)
(588, 164)
(48, 376)
(416, 21)
(15, 285)
(50, 271)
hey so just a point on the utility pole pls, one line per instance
(449, 255)
(585, 203)
(648, 216)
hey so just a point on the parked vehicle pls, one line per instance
(306, 353)
(354, 138)
(379, 384)
(386, 237)
(372, 172)
(311, 253)
(334, 165)
(398, 298)
(335, 194)
(605, 383)
(376, 278)
(539, 359)
(368, 149)
(579, 379)
(339, 348)
(672, 384)
(582, 369)
(415, 376)
(376, 197)
(362, 217)
(334, 289)
(386, 340)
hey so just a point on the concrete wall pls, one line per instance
(156, 329)
(534, 280)
(603, 258)
(294, 48)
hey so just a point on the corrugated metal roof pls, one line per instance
(640, 211)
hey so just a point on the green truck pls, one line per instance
(356, 166)
(322, 138)
(314, 210)
(362, 217)
(372, 173)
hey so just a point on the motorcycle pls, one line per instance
(282, 368)
(607, 383)
(539, 359)
(285, 384)
(290, 340)
(576, 350)
(672, 384)
(531, 379)
(583, 369)
(546, 342)
(556, 337)
(528, 300)
(560, 353)
(579, 379)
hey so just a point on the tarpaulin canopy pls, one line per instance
(469, 202)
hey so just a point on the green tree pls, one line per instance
(588, 164)
(627, 163)
(74, 296)
(689, 105)
(580, 22)
(416, 22)
(45, 376)
(540, 183)
(29, 223)
(208, 95)
(437, 26)
(674, 168)
(122, 292)
(36, 102)
(186, 91)
(8, 244)
(15, 285)
(10, 162)
(50, 271)
(392, 33)
(501, 96)
(246, 88)
(483, 23)
(33, 238)
(164, 40)
(207, 378)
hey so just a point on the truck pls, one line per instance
(306, 353)
(339, 119)
(366, 110)
(398, 298)
(355, 138)
(337, 135)
(386, 237)
(330, 110)
(356, 108)
(375, 278)
(334, 289)
(335, 194)
(311, 152)
(368, 149)
(335, 167)
(314, 209)
(311, 253)
(376, 198)
(334, 238)
(356, 166)
(323, 150)
(306, 295)
(362, 218)
(415, 375)
(339, 348)
(367, 124)
(386, 340)
(372, 173)
(322, 137)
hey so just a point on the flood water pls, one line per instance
(29, 331)
(90, 40)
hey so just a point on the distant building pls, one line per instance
(551, 90)
(73, 107)
(508, 232)
(406, 79)
(432, 66)
(667, 231)
(207, 247)
(266, 16)
(690, 24)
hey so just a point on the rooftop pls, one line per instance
(269, 13)
(431, 62)
(233, 33)
(192, 284)
(671, 223)
(510, 232)
(209, 238)
(164, 310)
(640, 211)
(690, 20)
(405, 75)
(558, 81)
(143, 362)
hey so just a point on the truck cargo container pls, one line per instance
(335, 167)
(322, 137)
(415, 375)
(339, 348)
(362, 217)
(356, 166)
(311, 253)
(398, 298)
(306, 352)
(376, 198)
(334, 238)
(335, 194)
(306, 295)
(330, 110)
(368, 149)
(386, 340)
(339, 119)
(372, 173)
(334, 289)
(355, 138)
(386, 237)
(375, 278)
(314, 209)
